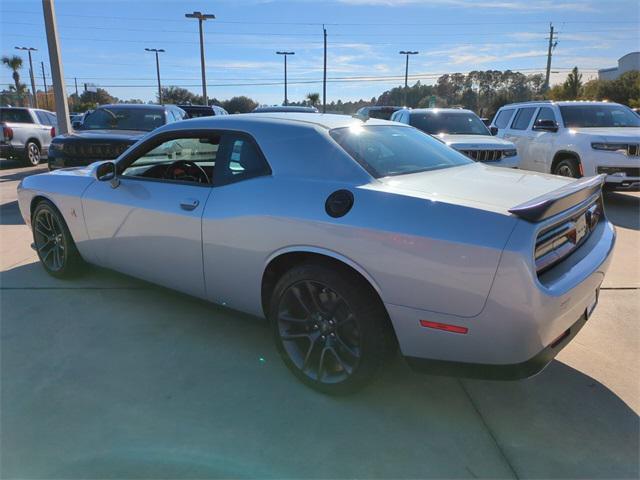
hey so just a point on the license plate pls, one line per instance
(592, 305)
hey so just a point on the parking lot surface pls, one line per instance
(109, 377)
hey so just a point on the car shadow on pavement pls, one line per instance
(10, 214)
(623, 210)
(109, 377)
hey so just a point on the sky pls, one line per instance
(103, 42)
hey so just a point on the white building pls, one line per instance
(631, 61)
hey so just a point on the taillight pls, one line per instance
(444, 326)
(7, 132)
(53, 132)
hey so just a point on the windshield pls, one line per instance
(584, 116)
(458, 123)
(145, 119)
(393, 150)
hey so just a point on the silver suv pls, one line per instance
(26, 133)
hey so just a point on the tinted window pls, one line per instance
(241, 159)
(448, 122)
(523, 117)
(502, 120)
(385, 150)
(15, 115)
(119, 118)
(598, 116)
(154, 163)
(42, 118)
(546, 113)
(53, 120)
(381, 113)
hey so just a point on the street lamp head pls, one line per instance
(31, 49)
(407, 52)
(157, 50)
(200, 15)
(285, 53)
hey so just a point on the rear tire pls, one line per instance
(54, 244)
(32, 154)
(567, 168)
(330, 329)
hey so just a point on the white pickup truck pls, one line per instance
(26, 133)
(575, 139)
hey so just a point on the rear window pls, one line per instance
(15, 115)
(602, 115)
(502, 120)
(382, 114)
(385, 150)
(123, 118)
(523, 117)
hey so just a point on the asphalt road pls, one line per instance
(109, 377)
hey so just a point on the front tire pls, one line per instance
(568, 168)
(329, 328)
(32, 155)
(55, 247)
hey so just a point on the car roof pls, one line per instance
(440, 110)
(537, 103)
(288, 108)
(152, 106)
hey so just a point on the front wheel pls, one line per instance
(329, 327)
(32, 154)
(53, 242)
(567, 168)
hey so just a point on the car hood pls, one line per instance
(611, 134)
(472, 142)
(102, 135)
(475, 185)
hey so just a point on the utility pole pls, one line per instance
(285, 54)
(57, 73)
(44, 80)
(201, 18)
(157, 50)
(552, 45)
(406, 72)
(31, 74)
(324, 74)
(75, 80)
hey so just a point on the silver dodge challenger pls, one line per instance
(352, 237)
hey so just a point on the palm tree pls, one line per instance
(313, 98)
(573, 84)
(15, 64)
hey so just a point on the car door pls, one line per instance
(542, 144)
(520, 135)
(150, 225)
(44, 128)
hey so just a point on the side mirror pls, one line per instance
(545, 126)
(76, 124)
(108, 172)
(493, 130)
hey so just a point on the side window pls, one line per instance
(189, 159)
(502, 120)
(523, 117)
(545, 113)
(42, 118)
(241, 160)
(53, 120)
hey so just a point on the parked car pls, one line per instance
(195, 111)
(285, 108)
(26, 133)
(351, 237)
(575, 139)
(464, 131)
(107, 131)
(377, 111)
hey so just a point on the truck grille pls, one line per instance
(106, 151)
(483, 155)
(557, 242)
(628, 171)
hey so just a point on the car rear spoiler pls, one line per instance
(559, 200)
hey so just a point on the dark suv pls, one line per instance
(108, 131)
(195, 111)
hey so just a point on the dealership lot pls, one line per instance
(106, 376)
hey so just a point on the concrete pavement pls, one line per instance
(110, 377)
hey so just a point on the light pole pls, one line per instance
(33, 81)
(201, 18)
(285, 54)
(406, 72)
(157, 50)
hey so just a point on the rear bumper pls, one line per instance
(8, 151)
(526, 320)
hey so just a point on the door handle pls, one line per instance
(189, 204)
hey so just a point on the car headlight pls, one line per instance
(56, 146)
(509, 153)
(610, 147)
